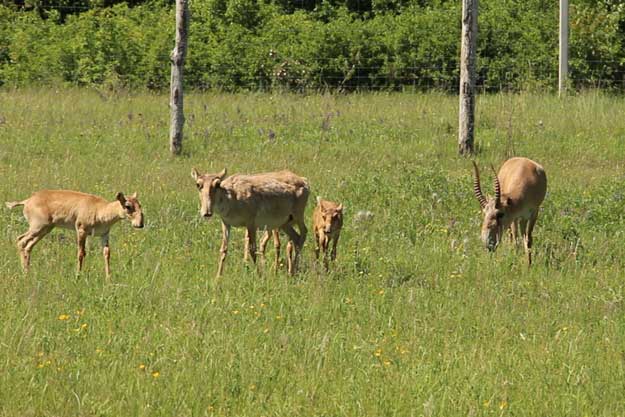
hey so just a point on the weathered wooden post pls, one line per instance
(563, 69)
(467, 77)
(177, 64)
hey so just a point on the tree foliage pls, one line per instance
(307, 44)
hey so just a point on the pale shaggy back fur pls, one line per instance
(261, 201)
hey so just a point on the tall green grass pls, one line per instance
(415, 318)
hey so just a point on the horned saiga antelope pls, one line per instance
(255, 201)
(520, 188)
(87, 214)
(327, 224)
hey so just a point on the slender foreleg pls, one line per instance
(223, 251)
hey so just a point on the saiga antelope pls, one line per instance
(85, 213)
(520, 188)
(254, 201)
(327, 224)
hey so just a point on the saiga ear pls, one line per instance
(120, 197)
(319, 199)
(134, 195)
(195, 174)
(340, 208)
(222, 174)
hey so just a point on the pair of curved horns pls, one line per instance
(477, 189)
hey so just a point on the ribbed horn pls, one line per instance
(477, 189)
(497, 186)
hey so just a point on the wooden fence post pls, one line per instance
(467, 77)
(177, 64)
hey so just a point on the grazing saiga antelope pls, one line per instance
(327, 224)
(255, 201)
(520, 188)
(85, 213)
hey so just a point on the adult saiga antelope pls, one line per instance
(255, 201)
(87, 214)
(520, 188)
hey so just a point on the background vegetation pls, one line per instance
(416, 318)
(307, 44)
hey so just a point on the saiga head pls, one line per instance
(207, 184)
(132, 209)
(493, 210)
(331, 215)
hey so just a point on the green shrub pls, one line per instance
(251, 45)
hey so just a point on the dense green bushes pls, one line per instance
(246, 44)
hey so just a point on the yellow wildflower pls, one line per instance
(156, 374)
(64, 317)
(142, 366)
(377, 353)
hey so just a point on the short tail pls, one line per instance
(13, 204)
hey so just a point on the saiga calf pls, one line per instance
(85, 213)
(327, 224)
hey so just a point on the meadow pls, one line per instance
(415, 318)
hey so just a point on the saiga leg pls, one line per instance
(223, 251)
(528, 237)
(81, 239)
(106, 252)
(299, 243)
(28, 240)
(523, 229)
(290, 256)
(317, 243)
(276, 246)
(251, 242)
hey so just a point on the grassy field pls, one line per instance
(415, 318)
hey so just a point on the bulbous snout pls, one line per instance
(137, 223)
(490, 242)
(207, 214)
